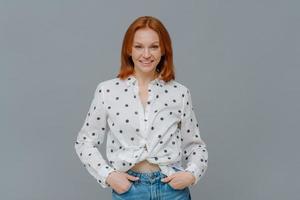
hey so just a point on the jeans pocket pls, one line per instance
(130, 187)
(171, 187)
(176, 170)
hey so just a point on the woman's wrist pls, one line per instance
(193, 177)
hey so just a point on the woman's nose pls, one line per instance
(146, 53)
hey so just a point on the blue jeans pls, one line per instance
(150, 187)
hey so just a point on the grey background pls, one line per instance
(239, 58)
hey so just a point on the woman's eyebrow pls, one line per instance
(152, 42)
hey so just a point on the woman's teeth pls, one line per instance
(148, 62)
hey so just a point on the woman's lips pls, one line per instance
(146, 63)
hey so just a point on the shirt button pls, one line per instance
(145, 147)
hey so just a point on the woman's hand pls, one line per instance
(120, 181)
(179, 179)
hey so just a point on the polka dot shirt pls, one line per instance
(164, 132)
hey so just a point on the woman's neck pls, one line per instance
(144, 79)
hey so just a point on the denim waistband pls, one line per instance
(147, 177)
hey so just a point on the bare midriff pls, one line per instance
(145, 166)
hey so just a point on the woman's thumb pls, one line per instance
(133, 178)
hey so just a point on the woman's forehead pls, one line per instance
(146, 35)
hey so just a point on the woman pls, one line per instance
(149, 121)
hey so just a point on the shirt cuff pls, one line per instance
(195, 170)
(104, 171)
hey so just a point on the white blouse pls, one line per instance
(163, 132)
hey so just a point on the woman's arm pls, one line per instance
(92, 134)
(194, 148)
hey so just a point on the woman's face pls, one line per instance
(146, 52)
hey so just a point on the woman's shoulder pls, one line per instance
(177, 84)
(108, 83)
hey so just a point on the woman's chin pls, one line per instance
(146, 69)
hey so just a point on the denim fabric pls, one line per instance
(150, 187)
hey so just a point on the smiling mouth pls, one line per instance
(146, 62)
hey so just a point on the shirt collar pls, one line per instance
(131, 80)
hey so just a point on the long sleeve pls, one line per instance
(92, 134)
(194, 148)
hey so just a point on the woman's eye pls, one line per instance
(155, 47)
(137, 46)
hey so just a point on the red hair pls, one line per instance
(165, 67)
